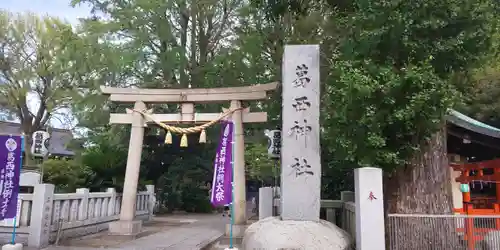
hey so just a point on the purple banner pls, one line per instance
(10, 168)
(223, 170)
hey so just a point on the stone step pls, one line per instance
(224, 240)
(224, 247)
(223, 243)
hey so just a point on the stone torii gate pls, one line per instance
(127, 225)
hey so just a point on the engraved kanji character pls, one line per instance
(300, 129)
(301, 103)
(302, 76)
(301, 167)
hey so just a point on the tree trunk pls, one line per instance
(422, 187)
(193, 62)
(28, 158)
(184, 67)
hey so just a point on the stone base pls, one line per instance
(128, 228)
(17, 246)
(272, 233)
(238, 230)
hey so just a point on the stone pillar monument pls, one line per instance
(299, 225)
(127, 225)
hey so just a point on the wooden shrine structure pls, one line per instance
(140, 116)
(474, 150)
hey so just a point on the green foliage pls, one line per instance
(192, 45)
(106, 158)
(66, 175)
(40, 71)
(394, 112)
(390, 70)
(394, 75)
(196, 199)
(158, 43)
(482, 99)
(183, 185)
(38, 60)
(258, 165)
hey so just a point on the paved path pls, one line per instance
(193, 236)
(196, 235)
(200, 233)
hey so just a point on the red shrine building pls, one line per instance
(474, 156)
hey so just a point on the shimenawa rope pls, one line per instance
(185, 131)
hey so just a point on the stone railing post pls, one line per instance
(84, 204)
(25, 213)
(151, 200)
(39, 230)
(112, 201)
(330, 215)
(276, 196)
(347, 196)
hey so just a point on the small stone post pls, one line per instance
(151, 200)
(370, 230)
(112, 201)
(39, 230)
(84, 204)
(266, 201)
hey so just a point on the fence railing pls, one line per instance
(453, 232)
(339, 212)
(43, 213)
(348, 218)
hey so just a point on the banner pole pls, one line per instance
(232, 192)
(13, 241)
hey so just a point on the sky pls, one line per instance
(56, 8)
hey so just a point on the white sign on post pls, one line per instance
(369, 200)
(300, 154)
(40, 145)
(274, 145)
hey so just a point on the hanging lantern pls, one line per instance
(464, 188)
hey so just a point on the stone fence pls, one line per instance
(342, 212)
(44, 216)
(339, 212)
(356, 212)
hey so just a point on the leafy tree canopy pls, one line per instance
(395, 74)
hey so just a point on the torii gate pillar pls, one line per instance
(239, 199)
(127, 225)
